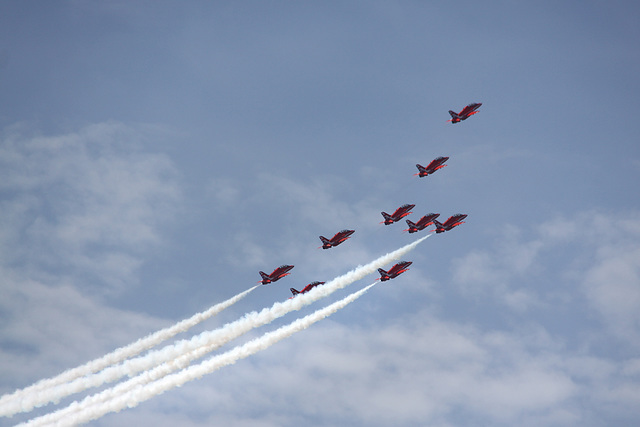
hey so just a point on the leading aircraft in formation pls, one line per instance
(306, 288)
(452, 221)
(422, 223)
(466, 112)
(277, 274)
(437, 163)
(394, 271)
(340, 237)
(400, 213)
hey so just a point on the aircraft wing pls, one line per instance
(398, 268)
(280, 271)
(393, 270)
(432, 166)
(452, 220)
(403, 210)
(436, 162)
(422, 222)
(465, 111)
(440, 160)
(459, 217)
(397, 212)
(431, 217)
(427, 220)
(449, 222)
(342, 235)
(469, 109)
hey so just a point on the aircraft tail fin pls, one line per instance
(383, 275)
(412, 226)
(386, 216)
(453, 114)
(324, 239)
(294, 292)
(264, 275)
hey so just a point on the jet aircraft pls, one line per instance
(394, 271)
(277, 274)
(437, 163)
(400, 213)
(340, 237)
(422, 223)
(466, 112)
(306, 288)
(452, 221)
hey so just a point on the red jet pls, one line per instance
(340, 237)
(437, 163)
(422, 223)
(453, 221)
(394, 271)
(466, 112)
(277, 274)
(400, 213)
(306, 288)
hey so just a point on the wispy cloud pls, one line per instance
(80, 212)
(90, 200)
(591, 253)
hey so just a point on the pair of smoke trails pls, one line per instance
(116, 399)
(180, 354)
(46, 390)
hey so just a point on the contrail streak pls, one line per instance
(35, 395)
(211, 340)
(140, 394)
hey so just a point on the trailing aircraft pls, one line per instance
(306, 288)
(466, 112)
(340, 237)
(394, 271)
(400, 213)
(437, 163)
(277, 274)
(422, 223)
(452, 221)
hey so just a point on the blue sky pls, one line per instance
(155, 155)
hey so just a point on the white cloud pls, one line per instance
(79, 214)
(592, 253)
(412, 372)
(91, 201)
(88, 207)
(612, 286)
(48, 329)
(494, 272)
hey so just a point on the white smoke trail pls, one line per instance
(27, 398)
(211, 340)
(90, 411)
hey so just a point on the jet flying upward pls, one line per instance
(466, 112)
(400, 213)
(394, 271)
(306, 288)
(452, 221)
(340, 237)
(422, 223)
(437, 163)
(277, 274)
